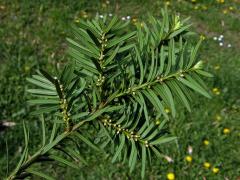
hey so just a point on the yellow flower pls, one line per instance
(231, 8)
(226, 130)
(202, 37)
(216, 91)
(194, 1)
(170, 176)
(225, 11)
(134, 20)
(215, 170)
(196, 7)
(188, 159)
(218, 117)
(157, 122)
(77, 20)
(207, 165)
(220, 1)
(85, 16)
(206, 142)
(217, 67)
(167, 3)
(167, 110)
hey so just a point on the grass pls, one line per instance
(33, 35)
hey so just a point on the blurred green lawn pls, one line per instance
(32, 35)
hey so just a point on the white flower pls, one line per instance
(220, 44)
(19, 149)
(101, 16)
(215, 38)
(128, 17)
(110, 14)
(221, 36)
(8, 123)
(123, 18)
(190, 149)
(220, 39)
(169, 159)
(229, 45)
